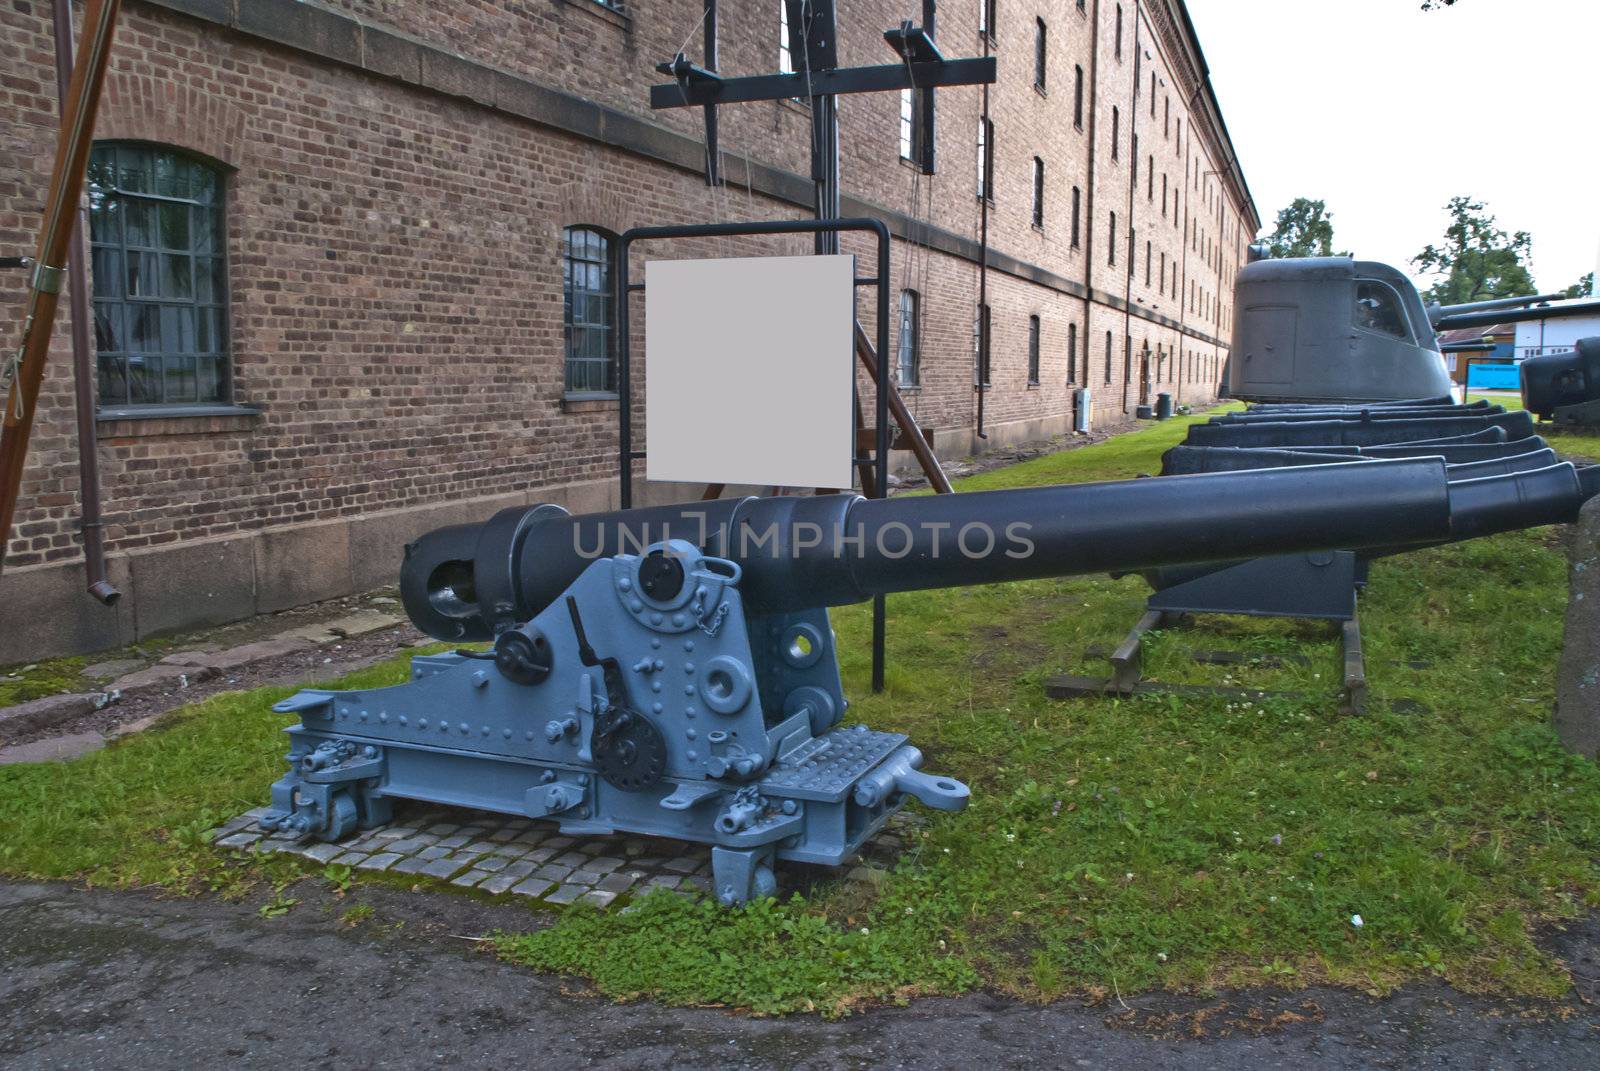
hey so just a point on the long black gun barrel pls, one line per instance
(1187, 460)
(1492, 317)
(1360, 413)
(1443, 401)
(1437, 312)
(1517, 425)
(469, 581)
(1546, 494)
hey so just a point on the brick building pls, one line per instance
(351, 261)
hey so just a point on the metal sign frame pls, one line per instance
(627, 455)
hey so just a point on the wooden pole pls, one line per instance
(902, 416)
(22, 370)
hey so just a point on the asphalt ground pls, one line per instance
(94, 979)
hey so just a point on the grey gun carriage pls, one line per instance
(672, 671)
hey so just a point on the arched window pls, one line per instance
(1108, 356)
(589, 318)
(1072, 353)
(158, 241)
(907, 357)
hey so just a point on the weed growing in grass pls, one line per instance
(355, 914)
(277, 907)
(340, 876)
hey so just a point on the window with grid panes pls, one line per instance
(158, 252)
(588, 317)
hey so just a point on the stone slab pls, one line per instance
(184, 658)
(232, 658)
(390, 55)
(116, 667)
(55, 749)
(63, 618)
(313, 635)
(378, 541)
(499, 883)
(443, 868)
(566, 894)
(323, 852)
(533, 887)
(50, 710)
(191, 585)
(307, 563)
(159, 678)
(363, 623)
(617, 882)
(381, 861)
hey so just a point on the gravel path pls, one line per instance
(99, 980)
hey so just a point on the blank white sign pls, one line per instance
(749, 366)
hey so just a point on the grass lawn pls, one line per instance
(1111, 845)
(1581, 445)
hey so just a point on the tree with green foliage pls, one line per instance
(1304, 229)
(1584, 287)
(1478, 260)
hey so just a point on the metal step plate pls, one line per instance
(828, 773)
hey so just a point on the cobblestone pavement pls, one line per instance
(508, 856)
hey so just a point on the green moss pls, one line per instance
(50, 676)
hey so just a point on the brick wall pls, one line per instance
(394, 250)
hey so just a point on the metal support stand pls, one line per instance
(1320, 586)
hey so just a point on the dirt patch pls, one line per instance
(1219, 1020)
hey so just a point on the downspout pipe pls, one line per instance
(94, 549)
(985, 169)
(1133, 189)
(1089, 218)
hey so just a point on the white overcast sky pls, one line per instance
(1386, 111)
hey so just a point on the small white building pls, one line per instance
(1555, 334)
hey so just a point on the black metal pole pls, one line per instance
(713, 150)
(624, 290)
(879, 603)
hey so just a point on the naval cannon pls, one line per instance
(1368, 430)
(1495, 457)
(672, 671)
(1564, 387)
(1324, 584)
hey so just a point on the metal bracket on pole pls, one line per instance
(47, 280)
